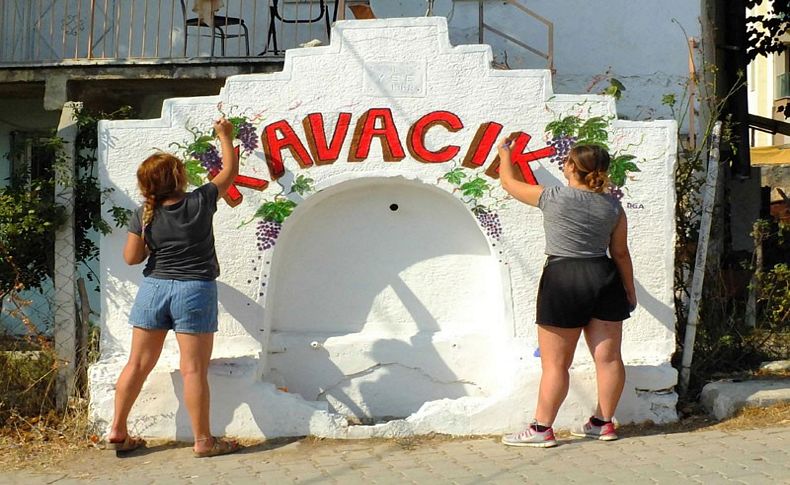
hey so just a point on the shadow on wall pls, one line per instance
(391, 277)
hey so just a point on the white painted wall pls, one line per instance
(363, 282)
(640, 40)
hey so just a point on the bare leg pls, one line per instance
(557, 346)
(195, 356)
(603, 339)
(146, 347)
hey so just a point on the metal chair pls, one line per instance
(274, 15)
(218, 30)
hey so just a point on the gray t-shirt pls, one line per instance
(181, 237)
(577, 223)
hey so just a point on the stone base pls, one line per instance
(724, 398)
(245, 406)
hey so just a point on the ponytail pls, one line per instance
(597, 181)
(592, 165)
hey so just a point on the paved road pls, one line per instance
(760, 456)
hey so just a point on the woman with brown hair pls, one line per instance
(581, 289)
(173, 231)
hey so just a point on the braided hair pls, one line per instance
(160, 177)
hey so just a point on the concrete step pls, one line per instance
(724, 398)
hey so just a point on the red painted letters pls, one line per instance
(415, 141)
(324, 153)
(521, 158)
(391, 147)
(272, 148)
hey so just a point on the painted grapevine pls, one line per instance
(472, 191)
(565, 133)
(203, 159)
(272, 213)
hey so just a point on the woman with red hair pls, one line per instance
(173, 232)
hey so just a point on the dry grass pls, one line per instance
(747, 418)
(32, 430)
(42, 442)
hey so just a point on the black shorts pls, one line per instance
(573, 291)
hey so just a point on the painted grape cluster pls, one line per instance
(562, 145)
(245, 133)
(490, 222)
(209, 158)
(267, 233)
(571, 130)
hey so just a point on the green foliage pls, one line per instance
(27, 235)
(277, 210)
(620, 167)
(773, 296)
(772, 285)
(195, 172)
(669, 99)
(302, 185)
(455, 176)
(88, 196)
(593, 131)
(568, 126)
(30, 215)
(236, 121)
(475, 188)
(27, 379)
(615, 88)
(765, 32)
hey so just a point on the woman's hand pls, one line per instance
(223, 128)
(527, 193)
(230, 161)
(631, 295)
(503, 148)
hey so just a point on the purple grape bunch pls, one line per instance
(617, 192)
(490, 222)
(209, 159)
(267, 233)
(562, 146)
(246, 134)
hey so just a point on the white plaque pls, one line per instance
(395, 79)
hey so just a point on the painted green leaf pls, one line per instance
(475, 188)
(567, 126)
(276, 211)
(594, 130)
(236, 121)
(631, 167)
(302, 185)
(455, 176)
(195, 172)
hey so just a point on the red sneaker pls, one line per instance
(604, 432)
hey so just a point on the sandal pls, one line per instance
(128, 444)
(221, 446)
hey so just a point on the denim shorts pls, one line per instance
(183, 306)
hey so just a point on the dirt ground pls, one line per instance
(48, 443)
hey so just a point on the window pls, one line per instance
(31, 158)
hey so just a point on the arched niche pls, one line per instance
(383, 295)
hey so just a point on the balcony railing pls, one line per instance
(78, 32)
(54, 31)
